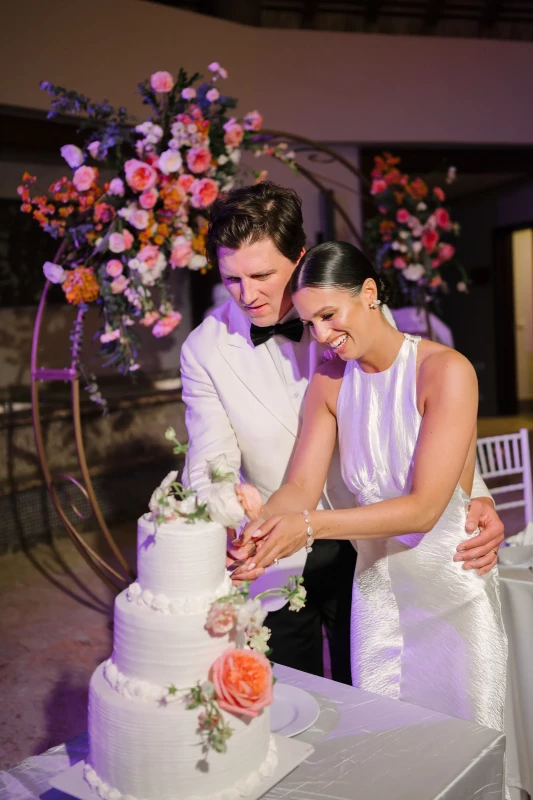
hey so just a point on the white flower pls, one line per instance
(223, 506)
(250, 617)
(170, 161)
(170, 478)
(116, 187)
(54, 272)
(395, 246)
(219, 469)
(416, 247)
(208, 690)
(212, 95)
(421, 207)
(462, 287)
(259, 641)
(451, 175)
(189, 93)
(197, 262)
(93, 149)
(297, 601)
(223, 160)
(235, 156)
(403, 234)
(187, 506)
(413, 272)
(72, 155)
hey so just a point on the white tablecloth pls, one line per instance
(366, 748)
(517, 606)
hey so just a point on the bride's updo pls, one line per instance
(337, 265)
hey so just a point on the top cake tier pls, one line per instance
(179, 558)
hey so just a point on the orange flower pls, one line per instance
(417, 189)
(81, 286)
(243, 682)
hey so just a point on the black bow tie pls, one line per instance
(292, 329)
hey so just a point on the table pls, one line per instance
(367, 747)
(516, 585)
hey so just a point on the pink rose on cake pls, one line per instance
(243, 682)
(221, 618)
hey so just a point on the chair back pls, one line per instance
(501, 456)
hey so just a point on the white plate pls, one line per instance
(293, 710)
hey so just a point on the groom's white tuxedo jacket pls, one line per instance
(247, 402)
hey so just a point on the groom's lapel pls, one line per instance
(255, 367)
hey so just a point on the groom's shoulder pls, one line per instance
(212, 331)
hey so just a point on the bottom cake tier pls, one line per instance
(147, 750)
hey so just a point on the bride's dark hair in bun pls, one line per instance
(338, 265)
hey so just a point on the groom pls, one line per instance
(245, 371)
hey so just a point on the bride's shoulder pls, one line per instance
(438, 363)
(332, 369)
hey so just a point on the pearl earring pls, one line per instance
(375, 304)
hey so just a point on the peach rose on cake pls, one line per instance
(221, 618)
(198, 159)
(204, 192)
(139, 175)
(242, 681)
(162, 81)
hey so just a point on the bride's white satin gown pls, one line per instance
(424, 630)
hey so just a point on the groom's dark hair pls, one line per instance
(252, 213)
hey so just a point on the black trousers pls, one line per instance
(296, 639)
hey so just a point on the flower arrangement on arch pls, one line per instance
(135, 206)
(412, 233)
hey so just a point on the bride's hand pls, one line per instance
(280, 536)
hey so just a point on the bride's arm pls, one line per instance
(448, 397)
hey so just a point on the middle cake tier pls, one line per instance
(163, 648)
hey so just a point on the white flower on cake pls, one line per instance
(223, 506)
(250, 617)
(259, 641)
(219, 470)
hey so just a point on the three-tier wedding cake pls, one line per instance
(146, 740)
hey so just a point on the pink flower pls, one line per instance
(181, 252)
(139, 175)
(149, 255)
(221, 619)
(119, 284)
(234, 133)
(110, 336)
(162, 82)
(443, 219)
(186, 181)
(198, 159)
(430, 240)
(119, 242)
(399, 263)
(189, 93)
(149, 318)
(84, 178)
(116, 187)
(437, 191)
(72, 155)
(250, 499)
(446, 251)
(253, 121)
(435, 282)
(402, 215)
(378, 186)
(212, 95)
(204, 192)
(54, 272)
(139, 219)
(435, 263)
(94, 149)
(114, 268)
(167, 324)
(243, 682)
(148, 198)
(382, 209)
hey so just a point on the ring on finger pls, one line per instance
(276, 561)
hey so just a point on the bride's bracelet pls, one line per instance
(310, 540)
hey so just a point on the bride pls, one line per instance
(424, 630)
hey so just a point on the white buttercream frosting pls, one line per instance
(241, 789)
(190, 604)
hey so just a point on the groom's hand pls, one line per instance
(236, 553)
(481, 551)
